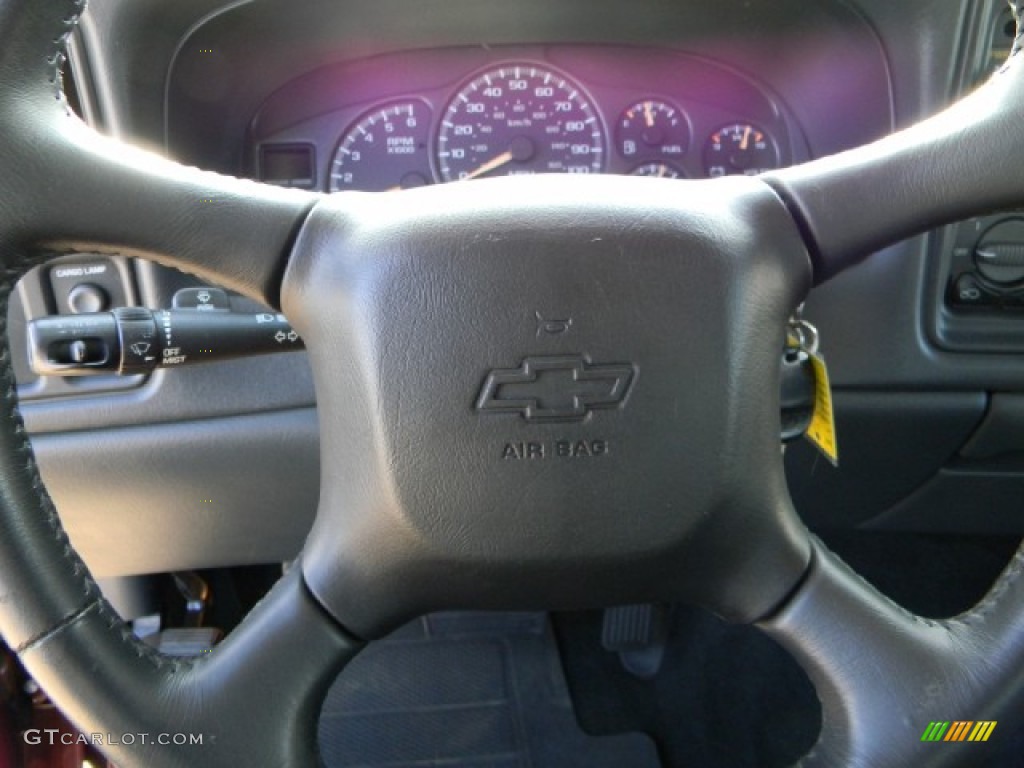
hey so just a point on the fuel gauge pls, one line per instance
(651, 129)
(738, 149)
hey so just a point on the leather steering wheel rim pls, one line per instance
(882, 674)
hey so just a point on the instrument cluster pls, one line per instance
(426, 117)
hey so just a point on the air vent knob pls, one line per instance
(999, 255)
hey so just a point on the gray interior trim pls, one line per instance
(197, 494)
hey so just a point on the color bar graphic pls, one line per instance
(935, 731)
(959, 730)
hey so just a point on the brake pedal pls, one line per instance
(638, 634)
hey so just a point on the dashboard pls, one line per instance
(410, 119)
(335, 95)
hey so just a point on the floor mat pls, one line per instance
(726, 696)
(465, 691)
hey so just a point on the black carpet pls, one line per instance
(465, 691)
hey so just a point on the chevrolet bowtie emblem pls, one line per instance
(565, 388)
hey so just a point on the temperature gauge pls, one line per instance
(387, 148)
(740, 149)
(651, 129)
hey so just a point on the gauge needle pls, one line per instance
(746, 138)
(490, 165)
(649, 114)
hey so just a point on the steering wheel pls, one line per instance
(470, 463)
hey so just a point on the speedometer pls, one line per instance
(520, 119)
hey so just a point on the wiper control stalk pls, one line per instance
(134, 340)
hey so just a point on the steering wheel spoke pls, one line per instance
(71, 189)
(954, 165)
(884, 675)
(102, 196)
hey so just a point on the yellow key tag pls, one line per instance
(822, 431)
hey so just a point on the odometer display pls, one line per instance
(519, 119)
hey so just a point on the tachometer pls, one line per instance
(520, 119)
(386, 148)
